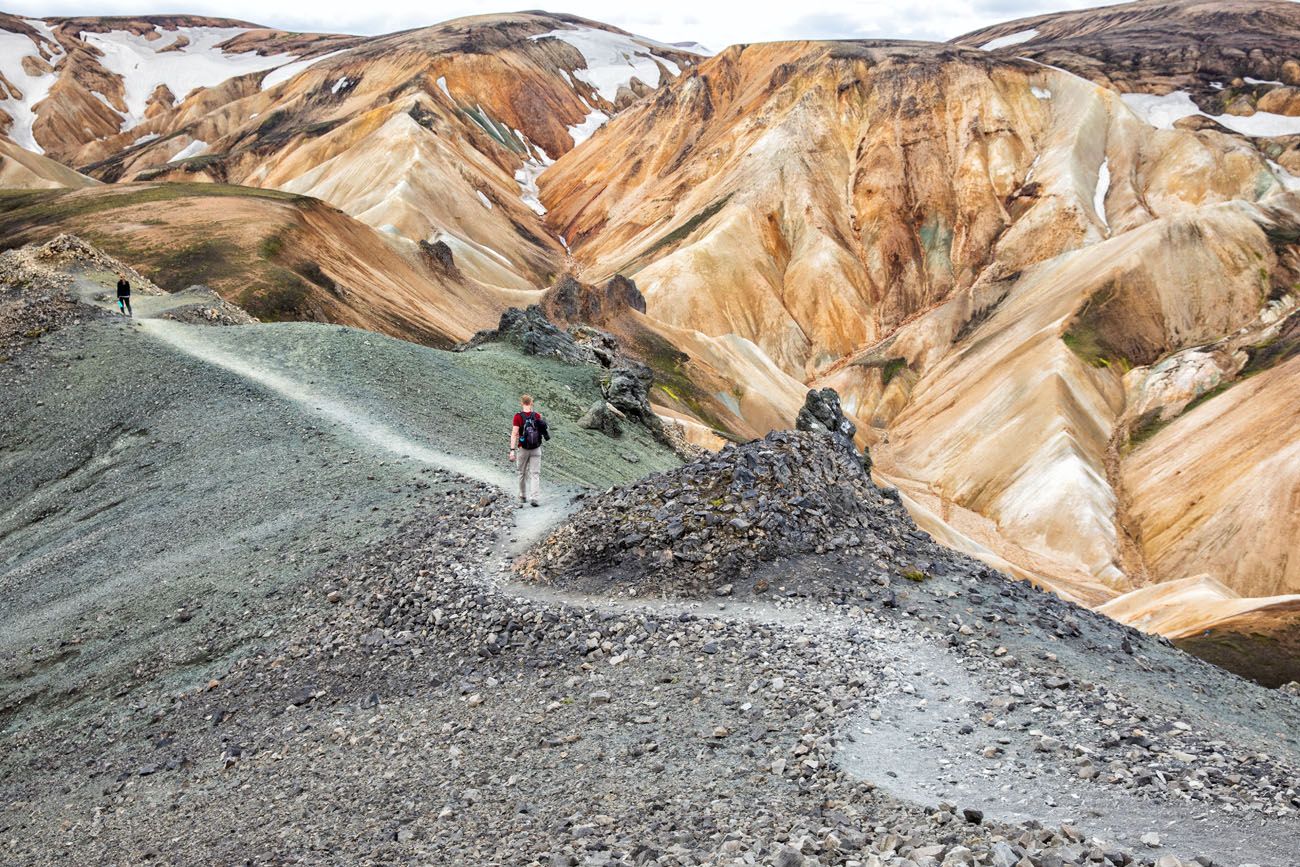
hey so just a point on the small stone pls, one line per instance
(788, 857)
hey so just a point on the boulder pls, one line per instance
(822, 412)
(628, 388)
(604, 417)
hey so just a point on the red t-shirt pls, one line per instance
(519, 418)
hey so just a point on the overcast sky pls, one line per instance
(715, 24)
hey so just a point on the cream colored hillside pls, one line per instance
(20, 169)
(430, 135)
(997, 263)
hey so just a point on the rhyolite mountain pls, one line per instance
(1050, 266)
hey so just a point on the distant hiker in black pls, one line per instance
(526, 437)
(124, 295)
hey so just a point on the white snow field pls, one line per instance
(1163, 111)
(1099, 195)
(1013, 39)
(583, 131)
(537, 162)
(283, 73)
(31, 88)
(143, 65)
(613, 59)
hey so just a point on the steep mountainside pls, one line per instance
(431, 134)
(1014, 279)
(280, 255)
(77, 86)
(1232, 63)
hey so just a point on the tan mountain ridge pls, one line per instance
(1051, 267)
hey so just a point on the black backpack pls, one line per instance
(532, 431)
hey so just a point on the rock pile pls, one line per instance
(534, 334)
(208, 308)
(709, 522)
(68, 252)
(36, 297)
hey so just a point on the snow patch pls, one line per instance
(283, 73)
(487, 203)
(1013, 39)
(193, 149)
(1099, 195)
(1162, 112)
(143, 65)
(693, 48)
(1250, 80)
(526, 177)
(1040, 92)
(1285, 178)
(104, 99)
(613, 59)
(584, 130)
(34, 88)
(339, 85)
(144, 138)
(442, 82)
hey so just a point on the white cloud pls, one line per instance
(716, 25)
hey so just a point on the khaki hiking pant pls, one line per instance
(529, 464)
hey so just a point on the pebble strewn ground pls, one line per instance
(408, 713)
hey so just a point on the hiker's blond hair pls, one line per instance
(526, 399)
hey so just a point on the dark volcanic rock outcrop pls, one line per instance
(713, 521)
(822, 412)
(535, 334)
(572, 301)
(625, 383)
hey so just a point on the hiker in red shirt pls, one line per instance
(526, 449)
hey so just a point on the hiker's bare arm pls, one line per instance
(514, 437)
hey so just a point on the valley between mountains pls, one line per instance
(925, 487)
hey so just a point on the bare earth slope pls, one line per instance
(281, 256)
(21, 169)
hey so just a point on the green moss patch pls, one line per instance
(685, 230)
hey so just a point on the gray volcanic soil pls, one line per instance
(290, 644)
(154, 506)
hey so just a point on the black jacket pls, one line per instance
(123, 289)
